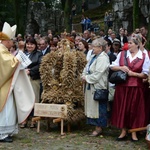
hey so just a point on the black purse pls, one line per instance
(101, 95)
(119, 76)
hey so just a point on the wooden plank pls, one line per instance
(36, 119)
(57, 120)
(50, 110)
(137, 129)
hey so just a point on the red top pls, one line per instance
(135, 66)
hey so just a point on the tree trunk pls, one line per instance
(136, 10)
(148, 37)
(67, 15)
(148, 34)
(17, 14)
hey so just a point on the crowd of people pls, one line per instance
(86, 23)
(127, 106)
(108, 19)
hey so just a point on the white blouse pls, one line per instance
(146, 64)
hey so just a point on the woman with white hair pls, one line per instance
(95, 76)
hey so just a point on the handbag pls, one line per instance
(119, 76)
(101, 95)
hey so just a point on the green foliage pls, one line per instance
(67, 5)
(52, 4)
(136, 10)
(148, 38)
(15, 11)
(96, 14)
(63, 4)
(6, 12)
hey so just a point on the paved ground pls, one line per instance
(29, 139)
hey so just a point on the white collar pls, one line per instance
(138, 55)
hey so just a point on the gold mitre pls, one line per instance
(8, 32)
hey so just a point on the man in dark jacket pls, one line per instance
(87, 36)
(44, 46)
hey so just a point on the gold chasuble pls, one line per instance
(8, 65)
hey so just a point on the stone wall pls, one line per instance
(123, 13)
(93, 4)
(40, 19)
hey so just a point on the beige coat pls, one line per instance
(98, 79)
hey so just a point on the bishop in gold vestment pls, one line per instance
(16, 93)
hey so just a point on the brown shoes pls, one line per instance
(96, 133)
(23, 125)
(33, 124)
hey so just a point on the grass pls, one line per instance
(96, 15)
(77, 139)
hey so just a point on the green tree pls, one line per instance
(66, 6)
(18, 15)
(6, 12)
(136, 10)
(14, 12)
(18, 12)
(148, 37)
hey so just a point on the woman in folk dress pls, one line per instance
(129, 106)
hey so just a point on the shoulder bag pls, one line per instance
(101, 95)
(119, 76)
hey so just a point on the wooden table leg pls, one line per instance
(62, 127)
(38, 126)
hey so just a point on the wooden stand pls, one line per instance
(57, 111)
(137, 129)
(141, 129)
(38, 122)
